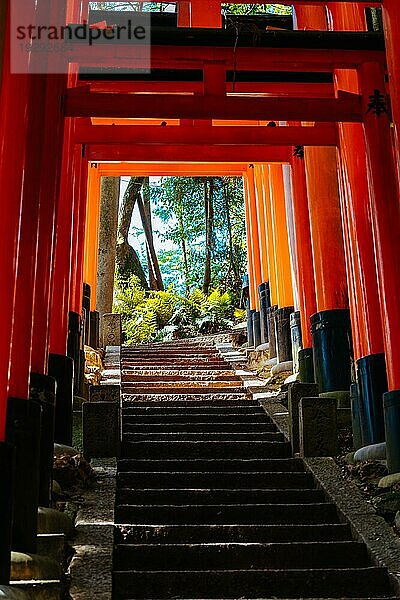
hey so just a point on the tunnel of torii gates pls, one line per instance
(316, 141)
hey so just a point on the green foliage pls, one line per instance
(179, 203)
(159, 316)
(256, 9)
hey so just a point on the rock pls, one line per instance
(27, 567)
(262, 347)
(282, 367)
(397, 520)
(372, 452)
(10, 593)
(349, 458)
(389, 480)
(61, 450)
(57, 488)
(54, 521)
(388, 504)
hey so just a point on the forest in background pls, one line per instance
(194, 284)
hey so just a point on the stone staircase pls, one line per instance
(210, 502)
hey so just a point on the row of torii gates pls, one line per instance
(329, 167)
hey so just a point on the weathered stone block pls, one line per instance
(112, 330)
(342, 397)
(318, 426)
(100, 429)
(296, 392)
(104, 393)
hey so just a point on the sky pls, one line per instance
(136, 240)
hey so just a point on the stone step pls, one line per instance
(131, 397)
(314, 555)
(202, 449)
(206, 418)
(215, 479)
(198, 408)
(157, 366)
(214, 385)
(246, 514)
(196, 388)
(211, 464)
(217, 496)
(167, 376)
(246, 402)
(177, 436)
(200, 428)
(173, 534)
(290, 583)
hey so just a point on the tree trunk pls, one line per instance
(145, 215)
(128, 262)
(209, 212)
(232, 262)
(109, 200)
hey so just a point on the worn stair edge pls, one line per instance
(128, 533)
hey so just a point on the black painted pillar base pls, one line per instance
(295, 333)
(86, 309)
(356, 416)
(263, 292)
(271, 330)
(43, 391)
(283, 335)
(6, 485)
(391, 408)
(74, 345)
(250, 335)
(306, 365)
(23, 432)
(256, 328)
(372, 381)
(332, 346)
(94, 329)
(62, 369)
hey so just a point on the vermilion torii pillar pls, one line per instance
(391, 16)
(362, 278)
(13, 89)
(385, 215)
(305, 268)
(282, 262)
(253, 244)
(331, 324)
(263, 288)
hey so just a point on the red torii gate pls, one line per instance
(54, 169)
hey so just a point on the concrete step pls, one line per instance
(173, 534)
(198, 465)
(246, 514)
(193, 418)
(202, 449)
(261, 436)
(290, 583)
(217, 496)
(200, 428)
(215, 479)
(314, 555)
